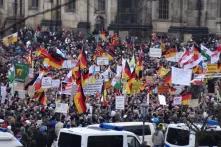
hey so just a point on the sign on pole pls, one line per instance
(62, 108)
(46, 82)
(120, 103)
(21, 72)
(102, 61)
(155, 52)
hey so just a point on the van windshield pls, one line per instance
(69, 140)
(210, 138)
(138, 130)
(105, 141)
(177, 136)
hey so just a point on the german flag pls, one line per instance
(43, 99)
(170, 52)
(139, 67)
(76, 74)
(126, 72)
(167, 78)
(186, 97)
(79, 100)
(82, 59)
(53, 60)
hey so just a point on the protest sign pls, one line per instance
(61, 108)
(31, 73)
(55, 83)
(21, 71)
(46, 82)
(22, 94)
(11, 39)
(68, 64)
(119, 102)
(3, 93)
(162, 99)
(93, 87)
(212, 68)
(177, 100)
(155, 52)
(102, 61)
(181, 76)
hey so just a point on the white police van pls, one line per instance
(105, 135)
(8, 140)
(180, 135)
(136, 128)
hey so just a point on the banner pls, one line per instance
(155, 52)
(102, 61)
(21, 72)
(11, 39)
(66, 88)
(119, 102)
(175, 58)
(46, 82)
(61, 108)
(177, 100)
(212, 68)
(181, 76)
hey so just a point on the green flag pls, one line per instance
(21, 71)
(11, 74)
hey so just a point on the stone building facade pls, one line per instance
(131, 16)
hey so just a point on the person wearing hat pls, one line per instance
(158, 138)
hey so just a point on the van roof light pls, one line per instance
(109, 126)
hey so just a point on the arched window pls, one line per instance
(163, 9)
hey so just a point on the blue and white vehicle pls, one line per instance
(105, 135)
(180, 135)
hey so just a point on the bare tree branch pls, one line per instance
(36, 14)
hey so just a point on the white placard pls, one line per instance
(177, 100)
(3, 91)
(148, 99)
(120, 103)
(119, 70)
(22, 94)
(62, 108)
(55, 83)
(31, 91)
(46, 82)
(92, 88)
(162, 99)
(68, 64)
(181, 76)
(102, 61)
(155, 52)
(31, 73)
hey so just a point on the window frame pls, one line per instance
(163, 9)
(71, 8)
(33, 7)
(2, 3)
(137, 144)
(100, 6)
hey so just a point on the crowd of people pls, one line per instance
(37, 125)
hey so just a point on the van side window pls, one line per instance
(132, 141)
(105, 141)
(138, 129)
(67, 140)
